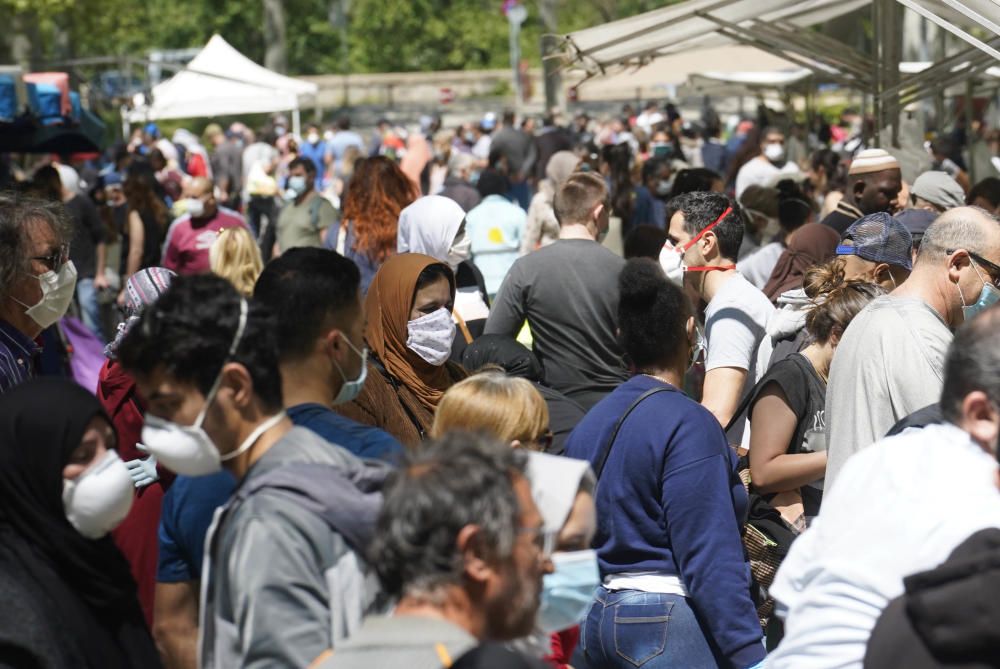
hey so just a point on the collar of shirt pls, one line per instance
(12, 337)
(849, 209)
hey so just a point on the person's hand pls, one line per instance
(143, 472)
(101, 282)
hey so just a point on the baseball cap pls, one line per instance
(878, 237)
(939, 189)
(489, 121)
(916, 221)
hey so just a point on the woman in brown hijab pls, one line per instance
(409, 333)
(812, 244)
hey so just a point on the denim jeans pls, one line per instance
(90, 310)
(625, 629)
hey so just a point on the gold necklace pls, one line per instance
(658, 378)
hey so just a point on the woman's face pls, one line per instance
(581, 524)
(430, 298)
(97, 439)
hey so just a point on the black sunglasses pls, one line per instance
(991, 268)
(56, 259)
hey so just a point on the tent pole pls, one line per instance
(296, 123)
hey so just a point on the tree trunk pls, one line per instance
(276, 52)
(554, 98)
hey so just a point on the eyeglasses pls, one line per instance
(56, 259)
(991, 268)
(544, 541)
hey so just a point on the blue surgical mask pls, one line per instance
(569, 590)
(297, 184)
(988, 296)
(351, 389)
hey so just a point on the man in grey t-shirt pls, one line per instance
(566, 291)
(890, 360)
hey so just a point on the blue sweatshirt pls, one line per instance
(670, 500)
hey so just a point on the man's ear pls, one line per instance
(981, 419)
(956, 262)
(238, 383)
(858, 188)
(469, 544)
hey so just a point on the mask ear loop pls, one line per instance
(237, 338)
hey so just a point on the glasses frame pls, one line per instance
(992, 269)
(56, 259)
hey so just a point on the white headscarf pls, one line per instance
(555, 482)
(429, 226)
(69, 178)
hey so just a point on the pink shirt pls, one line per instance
(185, 250)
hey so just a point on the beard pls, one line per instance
(511, 613)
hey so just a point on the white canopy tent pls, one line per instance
(780, 27)
(221, 81)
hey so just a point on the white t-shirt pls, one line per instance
(899, 507)
(735, 322)
(759, 265)
(889, 363)
(759, 171)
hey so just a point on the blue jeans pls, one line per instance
(626, 629)
(90, 310)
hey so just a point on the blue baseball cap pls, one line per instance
(878, 238)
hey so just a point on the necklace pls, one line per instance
(658, 378)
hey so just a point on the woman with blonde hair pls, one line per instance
(506, 407)
(235, 257)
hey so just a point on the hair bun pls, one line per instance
(824, 279)
(640, 282)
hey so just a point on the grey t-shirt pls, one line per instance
(889, 363)
(568, 292)
(402, 642)
(303, 224)
(735, 323)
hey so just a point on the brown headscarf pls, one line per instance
(812, 244)
(388, 305)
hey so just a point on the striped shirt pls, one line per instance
(18, 355)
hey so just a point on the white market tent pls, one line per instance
(781, 27)
(221, 81)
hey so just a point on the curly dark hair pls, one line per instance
(652, 314)
(458, 480)
(702, 208)
(189, 332)
(377, 192)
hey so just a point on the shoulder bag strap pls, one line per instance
(602, 457)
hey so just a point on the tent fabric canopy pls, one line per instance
(221, 81)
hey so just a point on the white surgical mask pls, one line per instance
(297, 185)
(97, 500)
(187, 449)
(312, 138)
(431, 336)
(194, 206)
(351, 389)
(672, 262)
(459, 251)
(774, 152)
(569, 590)
(58, 289)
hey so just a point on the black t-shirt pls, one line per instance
(152, 238)
(87, 234)
(469, 277)
(806, 395)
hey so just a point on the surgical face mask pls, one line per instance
(988, 296)
(431, 337)
(663, 188)
(661, 149)
(58, 289)
(672, 257)
(569, 590)
(297, 185)
(469, 138)
(279, 130)
(351, 389)
(312, 138)
(194, 206)
(98, 500)
(774, 152)
(459, 251)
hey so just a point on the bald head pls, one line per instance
(970, 228)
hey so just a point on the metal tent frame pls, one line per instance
(781, 27)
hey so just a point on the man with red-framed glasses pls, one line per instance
(37, 281)
(706, 230)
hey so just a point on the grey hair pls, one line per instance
(444, 485)
(16, 212)
(973, 363)
(959, 228)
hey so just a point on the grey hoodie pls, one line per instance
(284, 579)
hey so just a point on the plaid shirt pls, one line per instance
(18, 356)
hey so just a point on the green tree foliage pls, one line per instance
(383, 35)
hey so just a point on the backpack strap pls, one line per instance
(602, 457)
(314, 206)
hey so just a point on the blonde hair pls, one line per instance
(235, 257)
(501, 406)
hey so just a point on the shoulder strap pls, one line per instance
(602, 457)
(396, 385)
(314, 206)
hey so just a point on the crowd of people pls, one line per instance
(619, 393)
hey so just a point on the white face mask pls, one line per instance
(774, 152)
(98, 500)
(431, 337)
(312, 138)
(351, 389)
(194, 206)
(459, 251)
(58, 289)
(187, 449)
(672, 262)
